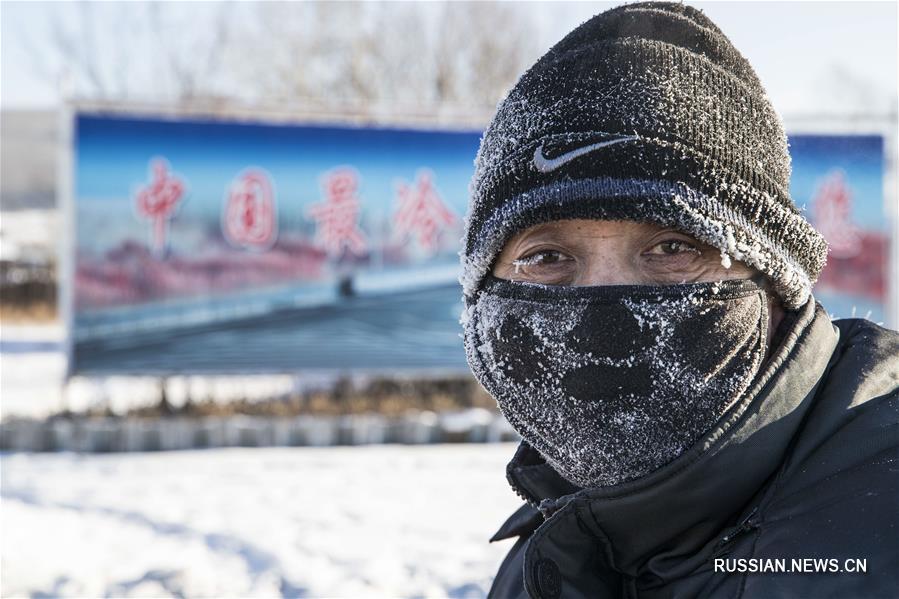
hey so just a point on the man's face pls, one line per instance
(607, 252)
(611, 252)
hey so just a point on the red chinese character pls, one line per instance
(832, 208)
(421, 212)
(338, 214)
(158, 201)
(249, 218)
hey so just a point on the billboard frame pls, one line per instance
(465, 121)
(65, 201)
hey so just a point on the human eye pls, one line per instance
(543, 265)
(541, 258)
(672, 257)
(672, 247)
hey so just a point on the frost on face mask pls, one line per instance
(611, 383)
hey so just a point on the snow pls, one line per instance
(273, 522)
(32, 368)
(31, 231)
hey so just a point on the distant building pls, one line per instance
(29, 221)
(28, 159)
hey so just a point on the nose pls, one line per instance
(607, 265)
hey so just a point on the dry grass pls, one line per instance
(390, 397)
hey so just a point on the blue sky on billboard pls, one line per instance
(813, 57)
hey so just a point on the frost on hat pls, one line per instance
(644, 112)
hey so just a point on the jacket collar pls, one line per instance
(680, 508)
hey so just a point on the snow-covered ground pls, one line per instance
(388, 520)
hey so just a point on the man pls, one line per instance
(637, 283)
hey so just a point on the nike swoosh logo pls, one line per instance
(546, 165)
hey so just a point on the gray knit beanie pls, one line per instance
(645, 112)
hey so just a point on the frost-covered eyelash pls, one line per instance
(688, 247)
(533, 259)
(528, 261)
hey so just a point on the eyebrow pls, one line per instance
(538, 233)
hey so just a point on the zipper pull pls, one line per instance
(745, 525)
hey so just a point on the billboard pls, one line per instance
(202, 246)
(214, 247)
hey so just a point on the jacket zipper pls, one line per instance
(745, 525)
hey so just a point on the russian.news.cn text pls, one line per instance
(802, 565)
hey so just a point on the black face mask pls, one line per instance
(609, 383)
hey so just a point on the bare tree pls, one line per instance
(387, 57)
(401, 54)
(193, 56)
(481, 49)
(122, 51)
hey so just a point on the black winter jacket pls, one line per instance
(803, 466)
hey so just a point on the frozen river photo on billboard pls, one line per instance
(371, 521)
